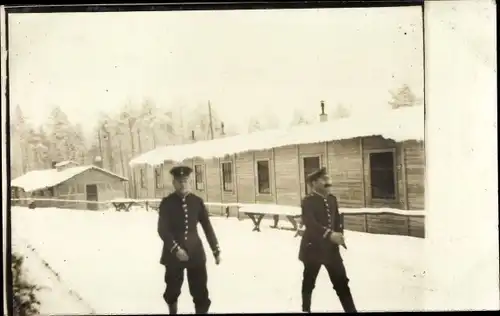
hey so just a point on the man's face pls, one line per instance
(323, 183)
(181, 184)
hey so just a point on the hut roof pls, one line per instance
(65, 163)
(48, 178)
(397, 124)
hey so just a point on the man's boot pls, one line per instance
(172, 308)
(347, 302)
(306, 302)
(202, 308)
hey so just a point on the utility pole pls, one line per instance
(100, 142)
(210, 120)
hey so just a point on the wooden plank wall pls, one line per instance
(345, 163)
(287, 183)
(214, 183)
(245, 173)
(415, 170)
(348, 162)
(346, 169)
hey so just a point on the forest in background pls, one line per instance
(136, 129)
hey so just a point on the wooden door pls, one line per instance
(91, 193)
(309, 165)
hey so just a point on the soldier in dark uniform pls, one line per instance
(321, 240)
(180, 213)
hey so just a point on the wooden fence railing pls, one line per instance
(378, 221)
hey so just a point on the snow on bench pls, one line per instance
(392, 211)
(123, 204)
(256, 213)
(271, 209)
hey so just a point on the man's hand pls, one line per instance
(217, 259)
(182, 255)
(337, 238)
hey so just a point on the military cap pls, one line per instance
(313, 176)
(181, 171)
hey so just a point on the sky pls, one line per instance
(247, 63)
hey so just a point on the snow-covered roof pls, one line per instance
(397, 124)
(47, 178)
(65, 163)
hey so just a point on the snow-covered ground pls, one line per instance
(108, 262)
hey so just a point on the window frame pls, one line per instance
(142, 178)
(202, 166)
(158, 184)
(395, 174)
(269, 177)
(223, 179)
(304, 174)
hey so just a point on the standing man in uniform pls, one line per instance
(180, 213)
(321, 240)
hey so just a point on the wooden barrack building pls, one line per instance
(374, 162)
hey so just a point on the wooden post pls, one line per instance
(326, 164)
(210, 120)
(408, 222)
(363, 185)
(205, 179)
(404, 177)
(235, 175)
(221, 183)
(274, 192)
(255, 184)
(300, 173)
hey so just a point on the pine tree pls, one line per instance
(299, 118)
(39, 144)
(20, 163)
(79, 144)
(254, 125)
(340, 111)
(25, 301)
(403, 97)
(61, 133)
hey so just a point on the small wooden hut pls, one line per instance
(68, 181)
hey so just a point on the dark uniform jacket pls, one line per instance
(321, 216)
(177, 227)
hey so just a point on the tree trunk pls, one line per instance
(110, 152)
(24, 159)
(123, 165)
(133, 189)
(139, 143)
(100, 143)
(154, 138)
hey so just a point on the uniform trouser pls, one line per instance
(197, 281)
(338, 277)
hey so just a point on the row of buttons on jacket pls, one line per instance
(184, 207)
